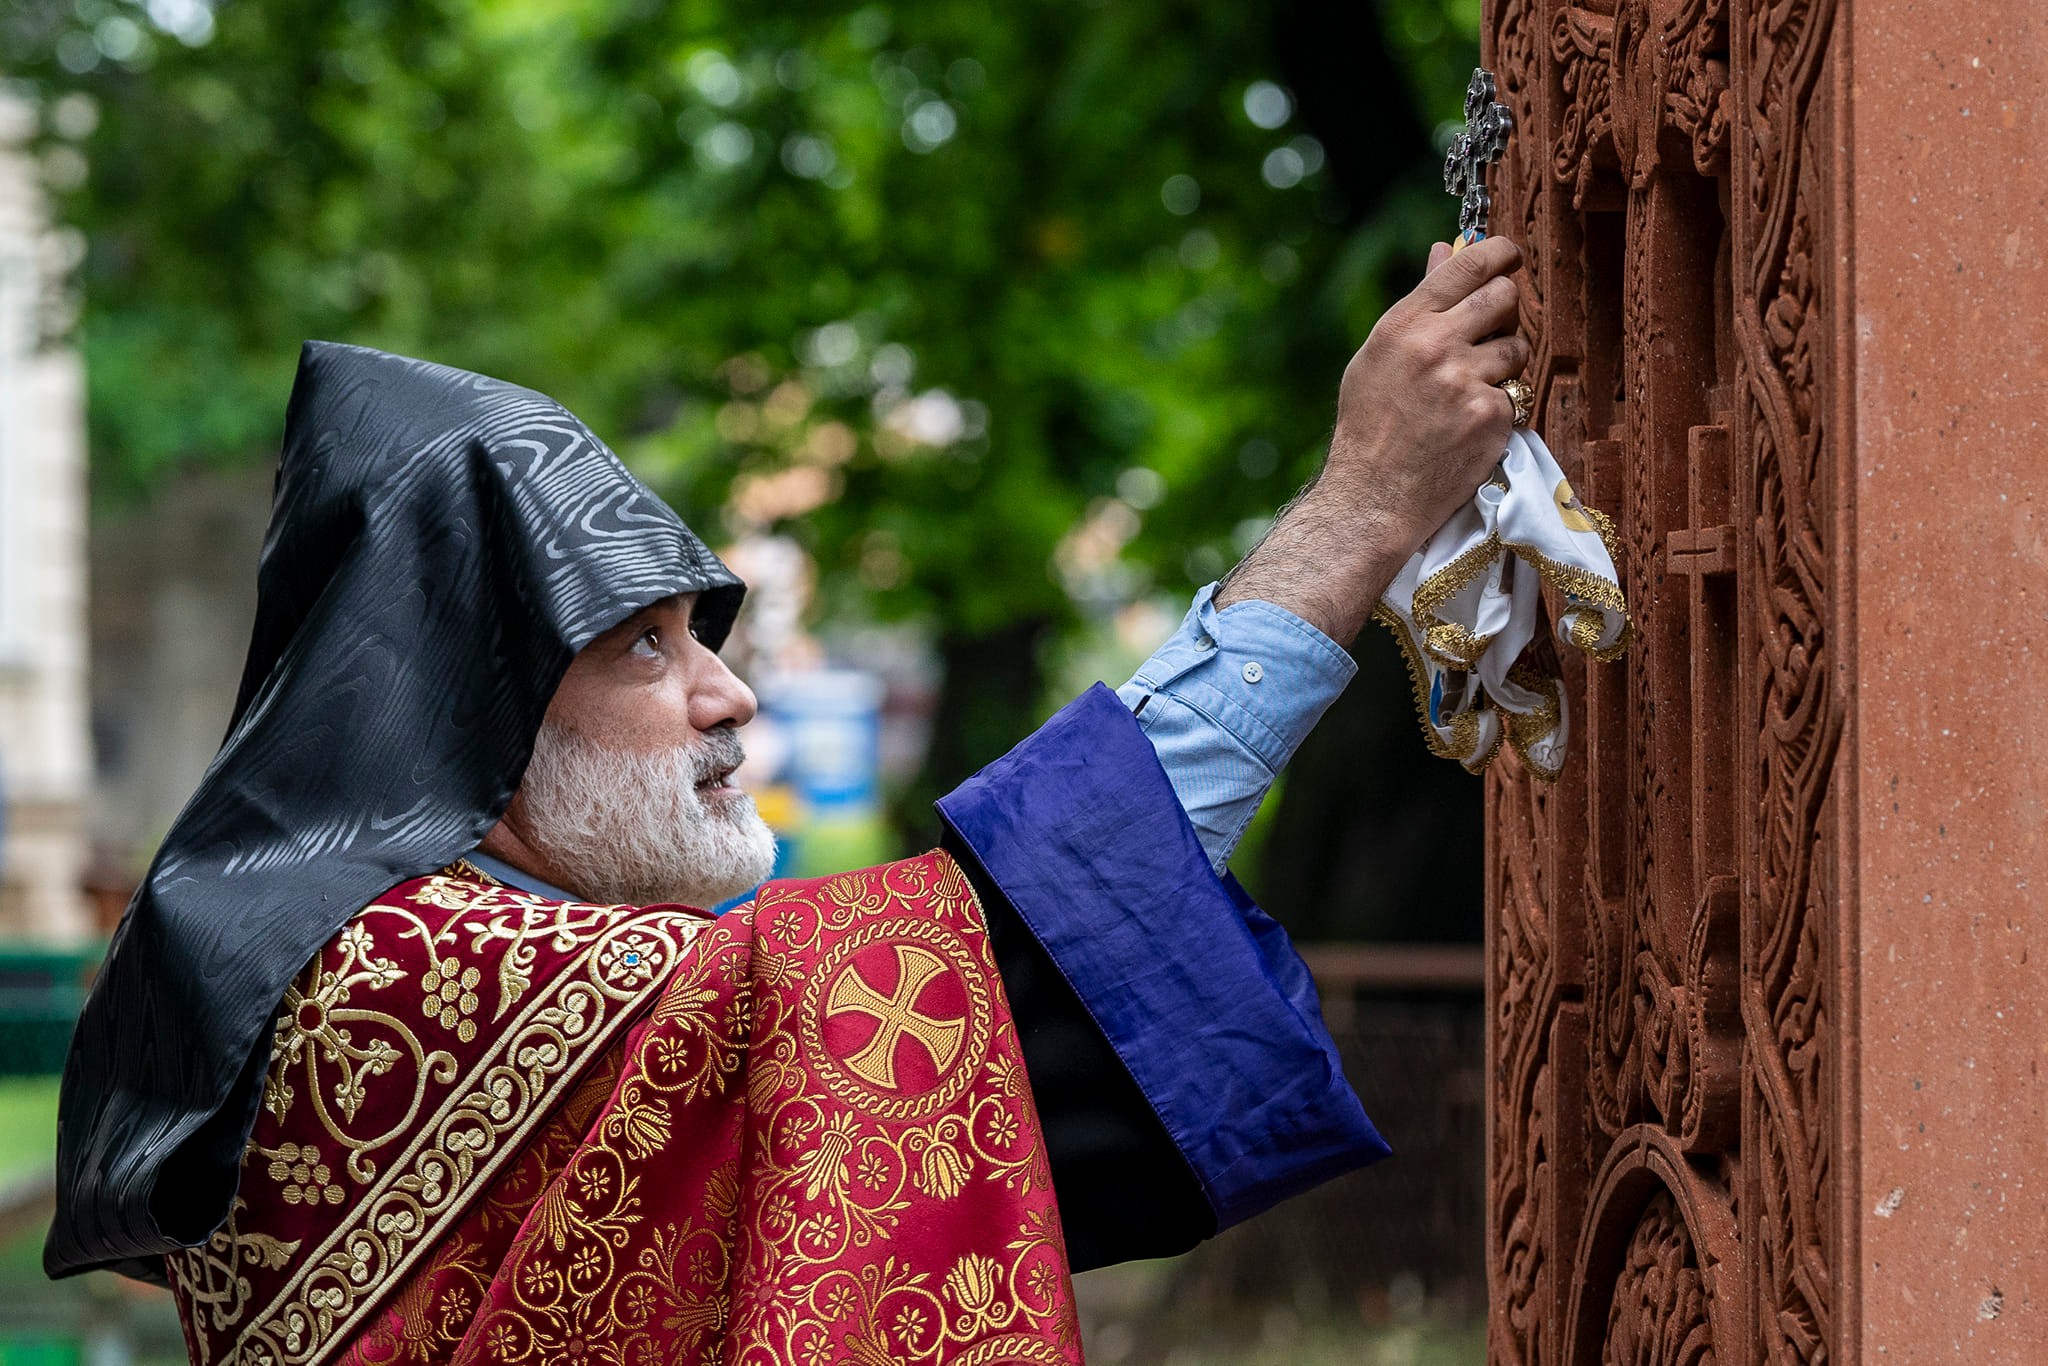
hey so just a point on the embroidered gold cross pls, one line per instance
(896, 1016)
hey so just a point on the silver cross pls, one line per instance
(1483, 141)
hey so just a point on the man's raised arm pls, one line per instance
(1421, 419)
(1173, 1037)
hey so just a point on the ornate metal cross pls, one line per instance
(1483, 141)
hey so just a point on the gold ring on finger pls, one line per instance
(1523, 395)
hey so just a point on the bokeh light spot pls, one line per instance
(893, 365)
(1141, 487)
(1279, 264)
(118, 37)
(1180, 194)
(725, 145)
(77, 53)
(74, 116)
(1267, 105)
(794, 70)
(189, 21)
(1283, 168)
(930, 126)
(808, 156)
(832, 345)
(716, 78)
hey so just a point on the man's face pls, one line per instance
(648, 684)
(626, 798)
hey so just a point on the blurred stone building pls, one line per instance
(173, 597)
(45, 756)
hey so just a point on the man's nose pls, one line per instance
(720, 698)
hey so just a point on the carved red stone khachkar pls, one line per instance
(1661, 1046)
(1768, 1071)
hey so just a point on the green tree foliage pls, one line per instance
(1003, 310)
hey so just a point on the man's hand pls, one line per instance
(1421, 421)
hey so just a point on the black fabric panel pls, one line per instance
(1125, 1192)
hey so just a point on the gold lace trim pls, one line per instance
(1459, 647)
(1454, 646)
(511, 1087)
(1464, 727)
(1524, 730)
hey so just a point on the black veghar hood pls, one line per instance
(440, 546)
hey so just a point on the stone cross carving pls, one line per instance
(1482, 142)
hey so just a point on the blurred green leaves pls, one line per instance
(1004, 311)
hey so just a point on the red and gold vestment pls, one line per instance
(503, 1128)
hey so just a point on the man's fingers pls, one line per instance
(1439, 252)
(1446, 286)
(1502, 358)
(1486, 310)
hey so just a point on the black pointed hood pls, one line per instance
(440, 546)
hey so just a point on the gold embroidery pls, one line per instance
(318, 1025)
(1452, 643)
(299, 1170)
(1526, 731)
(1464, 727)
(942, 1168)
(1580, 584)
(526, 923)
(615, 1264)
(1014, 1351)
(451, 893)
(839, 1153)
(455, 1137)
(957, 1048)
(451, 996)
(1453, 646)
(896, 1016)
(974, 1283)
(211, 1278)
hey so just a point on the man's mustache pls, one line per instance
(719, 753)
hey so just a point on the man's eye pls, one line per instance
(648, 643)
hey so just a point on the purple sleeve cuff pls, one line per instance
(1198, 990)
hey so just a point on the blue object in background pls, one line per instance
(833, 720)
(784, 851)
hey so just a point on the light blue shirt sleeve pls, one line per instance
(1226, 701)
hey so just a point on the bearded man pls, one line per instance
(412, 1045)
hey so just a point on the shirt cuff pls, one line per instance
(1227, 701)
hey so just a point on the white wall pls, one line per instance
(45, 756)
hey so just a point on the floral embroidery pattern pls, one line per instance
(451, 996)
(816, 1145)
(892, 1201)
(304, 1177)
(377, 1132)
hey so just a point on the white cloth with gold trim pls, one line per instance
(1467, 609)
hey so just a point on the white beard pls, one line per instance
(626, 827)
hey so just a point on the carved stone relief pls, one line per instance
(1661, 924)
